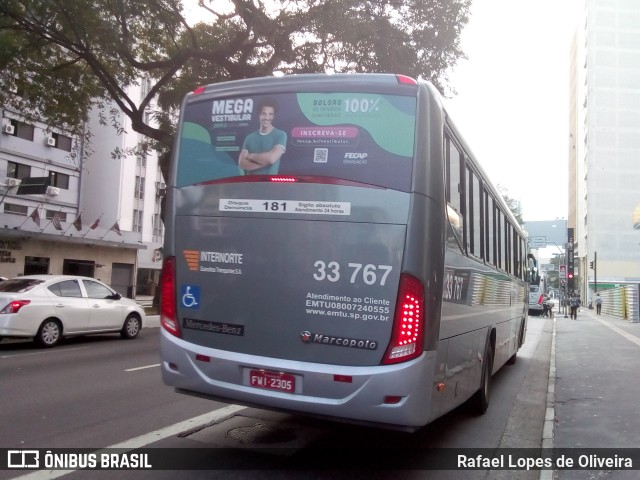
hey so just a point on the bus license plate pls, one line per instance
(279, 381)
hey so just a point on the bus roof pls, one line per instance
(315, 79)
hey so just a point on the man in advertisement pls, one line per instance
(262, 149)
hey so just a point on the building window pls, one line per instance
(49, 214)
(139, 192)
(157, 225)
(62, 141)
(36, 265)
(60, 180)
(18, 170)
(15, 209)
(137, 220)
(22, 130)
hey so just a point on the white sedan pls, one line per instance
(50, 307)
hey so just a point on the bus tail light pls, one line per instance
(408, 322)
(406, 80)
(168, 312)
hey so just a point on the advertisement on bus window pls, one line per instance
(367, 138)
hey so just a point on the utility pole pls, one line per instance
(595, 272)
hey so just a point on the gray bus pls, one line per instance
(334, 249)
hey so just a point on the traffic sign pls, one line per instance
(537, 242)
(563, 271)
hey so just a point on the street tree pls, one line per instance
(513, 204)
(64, 58)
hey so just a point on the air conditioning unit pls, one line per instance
(9, 129)
(13, 182)
(53, 191)
(51, 141)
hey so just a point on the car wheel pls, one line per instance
(131, 327)
(49, 333)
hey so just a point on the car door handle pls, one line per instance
(95, 305)
(60, 305)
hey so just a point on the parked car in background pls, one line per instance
(536, 299)
(50, 307)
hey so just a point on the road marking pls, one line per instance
(57, 350)
(627, 335)
(148, 438)
(142, 368)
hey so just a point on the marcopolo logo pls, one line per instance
(308, 337)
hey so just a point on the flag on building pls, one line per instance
(116, 228)
(95, 224)
(56, 221)
(78, 223)
(35, 216)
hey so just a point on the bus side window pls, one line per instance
(489, 235)
(499, 246)
(453, 169)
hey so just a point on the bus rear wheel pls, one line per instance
(480, 400)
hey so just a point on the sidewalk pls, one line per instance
(151, 320)
(597, 392)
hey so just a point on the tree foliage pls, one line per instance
(65, 57)
(513, 204)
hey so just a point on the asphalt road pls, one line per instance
(98, 392)
(90, 391)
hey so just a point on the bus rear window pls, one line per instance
(361, 137)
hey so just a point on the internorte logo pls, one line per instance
(192, 258)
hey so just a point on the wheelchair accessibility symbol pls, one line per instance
(190, 296)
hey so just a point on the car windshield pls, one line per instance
(19, 285)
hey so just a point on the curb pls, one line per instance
(152, 321)
(549, 418)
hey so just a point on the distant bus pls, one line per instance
(334, 249)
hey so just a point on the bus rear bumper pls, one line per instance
(398, 396)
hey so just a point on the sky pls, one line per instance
(512, 102)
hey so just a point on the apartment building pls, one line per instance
(69, 208)
(127, 187)
(604, 126)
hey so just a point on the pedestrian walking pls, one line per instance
(547, 308)
(598, 303)
(574, 304)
